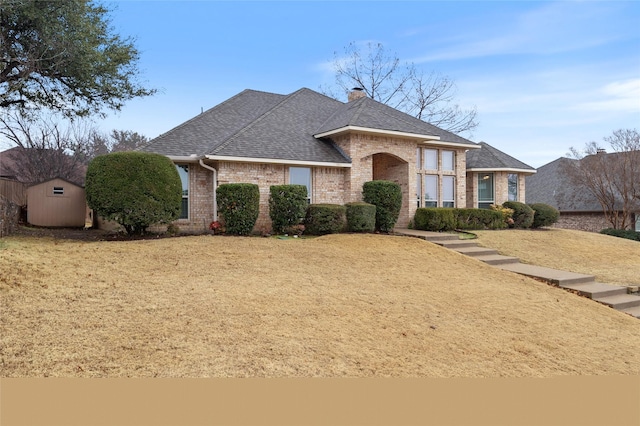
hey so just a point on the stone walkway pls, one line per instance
(614, 296)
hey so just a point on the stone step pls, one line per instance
(552, 275)
(620, 301)
(476, 251)
(595, 290)
(455, 244)
(497, 259)
(634, 311)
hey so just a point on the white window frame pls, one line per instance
(509, 186)
(449, 201)
(308, 184)
(445, 166)
(188, 190)
(431, 201)
(485, 203)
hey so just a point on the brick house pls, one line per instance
(331, 147)
(579, 208)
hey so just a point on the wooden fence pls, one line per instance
(13, 196)
(14, 191)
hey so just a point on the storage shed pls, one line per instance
(57, 202)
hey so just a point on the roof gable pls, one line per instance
(286, 131)
(488, 157)
(368, 113)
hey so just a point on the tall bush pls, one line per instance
(324, 219)
(545, 215)
(239, 205)
(361, 217)
(522, 214)
(387, 197)
(135, 189)
(287, 206)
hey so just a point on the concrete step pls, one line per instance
(427, 235)
(551, 275)
(476, 251)
(595, 290)
(497, 259)
(620, 301)
(634, 311)
(455, 244)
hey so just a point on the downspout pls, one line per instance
(215, 181)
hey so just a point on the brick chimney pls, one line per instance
(356, 93)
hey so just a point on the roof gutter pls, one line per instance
(501, 169)
(215, 187)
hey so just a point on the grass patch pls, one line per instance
(333, 306)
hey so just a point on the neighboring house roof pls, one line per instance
(8, 164)
(294, 127)
(490, 158)
(550, 186)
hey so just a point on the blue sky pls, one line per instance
(544, 76)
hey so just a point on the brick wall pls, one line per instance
(591, 222)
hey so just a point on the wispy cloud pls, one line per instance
(553, 28)
(616, 96)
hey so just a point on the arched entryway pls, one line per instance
(395, 169)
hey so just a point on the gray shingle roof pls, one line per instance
(488, 157)
(257, 124)
(366, 112)
(550, 186)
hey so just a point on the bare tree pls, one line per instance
(429, 97)
(44, 149)
(612, 178)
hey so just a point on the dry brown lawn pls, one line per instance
(335, 306)
(612, 260)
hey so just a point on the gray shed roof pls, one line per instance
(256, 124)
(488, 157)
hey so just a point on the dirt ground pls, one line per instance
(334, 306)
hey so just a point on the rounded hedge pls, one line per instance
(545, 215)
(287, 206)
(361, 217)
(239, 206)
(135, 189)
(522, 214)
(387, 197)
(435, 219)
(324, 219)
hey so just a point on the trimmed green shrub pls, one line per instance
(545, 215)
(622, 233)
(471, 219)
(448, 219)
(522, 214)
(324, 219)
(135, 189)
(434, 219)
(387, 197)
(361, 217)
(239, 206)
(287, 206)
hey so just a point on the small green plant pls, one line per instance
(324, 219)
(522, 214)
(287, 206)
(545, 215)
(387, 197)
(481, 219)
(239, 206)
(622, 233)
(361, 217)
(507, 213)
